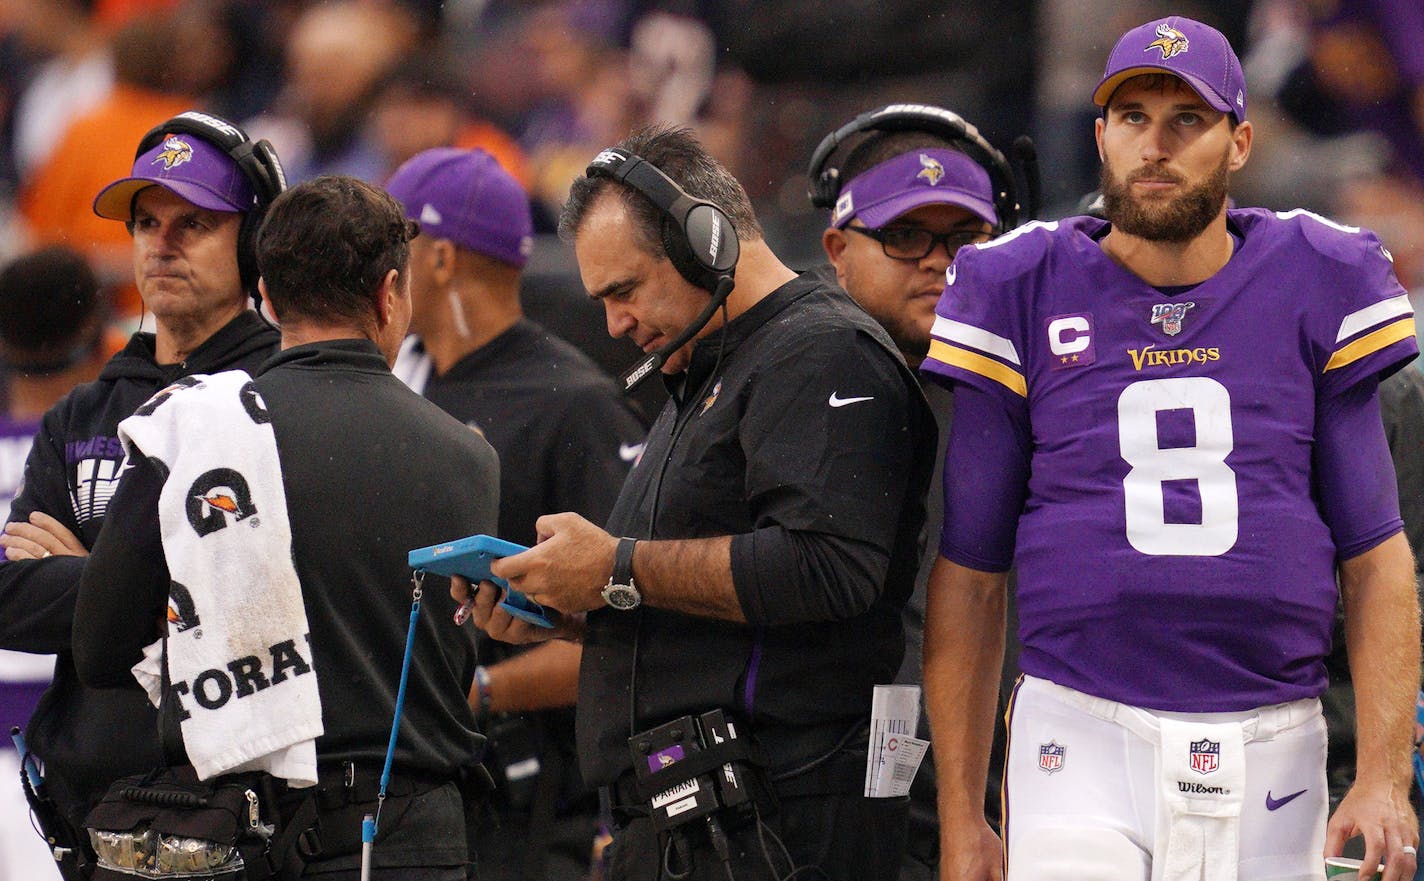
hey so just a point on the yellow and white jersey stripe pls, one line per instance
(956, 344)
(1372, 328)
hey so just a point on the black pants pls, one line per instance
(506, 849)
(846, 836)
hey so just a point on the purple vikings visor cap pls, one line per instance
(188, 166)
(466, 197)
(934, 175)
(1196, 53)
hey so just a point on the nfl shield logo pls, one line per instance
(1050, 757)
(1205, 756)
(1170, 316)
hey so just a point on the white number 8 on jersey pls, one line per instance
(1147, 528)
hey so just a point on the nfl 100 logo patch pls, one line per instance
(1170, 316)
(1051, 757)
(1205, 756)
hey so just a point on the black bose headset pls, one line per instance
(699, 239)
(256, 159)
(825, 180)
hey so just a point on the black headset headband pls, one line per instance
(701, 243)
(825, 182)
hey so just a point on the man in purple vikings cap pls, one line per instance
(911, 198)
(1179, 449)
(565, 437)
(192, 207)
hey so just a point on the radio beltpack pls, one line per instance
(692, 767)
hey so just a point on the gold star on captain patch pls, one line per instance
(1065, 359)
(1075, 357)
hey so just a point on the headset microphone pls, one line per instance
(650, 364)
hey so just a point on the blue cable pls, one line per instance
(369, 823)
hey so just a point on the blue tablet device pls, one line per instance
(470, 557)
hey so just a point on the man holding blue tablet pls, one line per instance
(566, 438)
(770, 539)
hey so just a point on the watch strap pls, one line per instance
(623, 561)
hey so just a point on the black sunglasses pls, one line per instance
(914, 243)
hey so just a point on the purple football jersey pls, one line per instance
(1170, 553)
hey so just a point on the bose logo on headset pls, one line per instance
(608, 158)
(221, 125)
(716, 242)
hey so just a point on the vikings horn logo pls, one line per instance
(1171, 41)
(932, 171)
(176, 151)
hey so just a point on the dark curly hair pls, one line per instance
(325, 246)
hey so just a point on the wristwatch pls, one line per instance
(621, 593)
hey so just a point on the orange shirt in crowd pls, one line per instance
(97, 149)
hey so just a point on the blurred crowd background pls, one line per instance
(357, 86)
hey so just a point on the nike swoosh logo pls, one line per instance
(949, 274)
(1276, 803)
(841, 402)
(629, 452)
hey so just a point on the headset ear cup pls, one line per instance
(247, 252)
(827, 189)
(268, 176)
(679, 253)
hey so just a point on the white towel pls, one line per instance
(239, 654)
(1203, 780)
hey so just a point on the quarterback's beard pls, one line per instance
(1177, 220)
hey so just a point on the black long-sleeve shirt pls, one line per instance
(809, 442)
(370, 471)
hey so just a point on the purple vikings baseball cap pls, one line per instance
(188, 166)
(466, 197)
(934, 175)
(1198, 54)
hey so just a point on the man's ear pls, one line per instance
(267, 299)
(442, 254)
(1240, 146)
(834, 241)
(393, 286)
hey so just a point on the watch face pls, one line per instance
(621, 596)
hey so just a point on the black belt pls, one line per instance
(346, 784)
